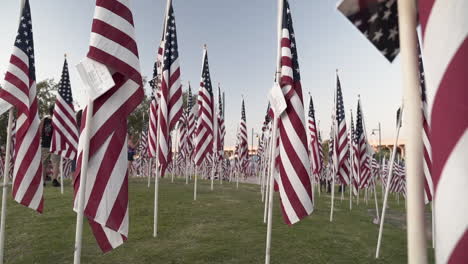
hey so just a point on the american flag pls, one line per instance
(19, 91)
(378, 21)
(314, 148)
(221, 127)
(364, 170)
(445, 50)
(204, 130)
(183, 150)
(293, 182)
(170, 103)
(112, 44)
(354, 151)
(191, 124)
(65, 133)
(340, 138)
(142, 148)
(155, 84)
(243, 143)
(427, 161)
(153, 120)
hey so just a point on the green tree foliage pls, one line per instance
(46, 95)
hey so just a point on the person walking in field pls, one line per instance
(46, 129)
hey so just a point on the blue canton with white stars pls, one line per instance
(378, 21)
(288, 24)
(171, 52)
(24, 38)
(359, 127)
(206, 76)
(64, 85)
(340, 114)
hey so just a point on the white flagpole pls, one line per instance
(5, 179)
(267, 180)
(149, 172)
(332, 194)
(61, 174)
(195, 184)
(7, 167)
(187, 165)
(215, 145)
(407, 21)
(273, 135)
(271, 179)
(82, 190)
(156, 199)
(387, 189)
(376, 203)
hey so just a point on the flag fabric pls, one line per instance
(354, 151)
(112, 44)
(340, 138)
(314, 148)
(364, 169)
(293, 181)
(19, 91)
(191, 124)
(243, 147)
(221, 128)
(170, 103)
(142, 148)
(204, 129)
(65, 133)
(427, 161)
(152, 126)
(378, 21)
(445, 42)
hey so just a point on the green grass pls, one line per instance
(223, 226)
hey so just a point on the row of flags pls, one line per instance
(295, 145)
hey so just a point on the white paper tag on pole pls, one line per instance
(277, 101)
(95, 76)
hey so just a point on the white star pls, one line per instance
(387, 14)
(23, 25)
(395, 52)
(377, 35)
(357, 23)
(384, 52)
(18, 41)
(393, 33)
(373, 18)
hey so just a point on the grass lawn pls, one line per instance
(222, 226)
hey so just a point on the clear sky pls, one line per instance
(241, 39)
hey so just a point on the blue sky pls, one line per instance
(241, 39)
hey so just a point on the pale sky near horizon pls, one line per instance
(241, 39)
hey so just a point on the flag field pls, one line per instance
(221, 226)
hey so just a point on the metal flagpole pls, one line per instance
(5, 178)
(389, 178)
(82, 190)
(407, 21)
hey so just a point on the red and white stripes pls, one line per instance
(445, 32)
(65, 133)
(106, 195)
(293, 181)
(204, 130)
(19, 91)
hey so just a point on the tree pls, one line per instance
(46, 95)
